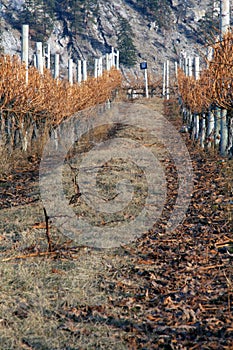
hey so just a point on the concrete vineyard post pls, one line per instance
(100, 65)
(84, 70)
(167, 80)
(186, 66)
(117, 59)
(196, 115)
(196, 67)
(176, 69)
(224, 132)
(196, 126)
(180, 62)
(164, 79)
(39, 57)
(224, 27)
(34, 60)
(190, 66)
(230, 137)
(96, 68)
(224, 17)
(113, 57)
(107, 62)
(47, 56)
(209, 55)
(217, 126)
(210, 128)
(146, 82)
(70, 71)
(56, 66)
(79, 71)
(202, 132)
(24, 48)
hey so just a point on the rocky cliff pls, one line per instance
(178, 27)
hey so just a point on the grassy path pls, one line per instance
(164, 291)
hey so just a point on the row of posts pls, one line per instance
(213, 124)
(216, 126)
(42, 58)
(190, 65)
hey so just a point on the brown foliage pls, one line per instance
(44, 96)
(215, 83)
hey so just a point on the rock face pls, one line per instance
(154, 42)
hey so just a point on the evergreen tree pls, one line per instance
(156, 10)
(209, 24)
(39, 14)
(125, 44)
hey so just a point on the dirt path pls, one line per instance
(163, 291)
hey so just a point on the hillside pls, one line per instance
(151, 30)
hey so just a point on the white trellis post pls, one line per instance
(107, 62)
(84, 70)
(224, 132)
(209, 54)
(24, 48)
(176, 69)
(224, 26)
(70, 71)
(56, 66)
(217, 126)
(100, 65)
(110, 60)
(196, 67)
(203, 131)
(196, 126)
(196, 115)
(164, 79)
(96, 67)
(117, 59)
(47, 56)
(113, 57)
(186, 65)
(34, 60)
(181, 62)
(146, 82)
(167, 80)
(190, 66)
(39, 57)
(210, 127)
(79, 71)
(224, 17)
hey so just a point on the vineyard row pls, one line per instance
(28, 109)
(207, 102)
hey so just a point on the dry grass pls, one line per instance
(78, 297)
(39, 293)
(42, 296)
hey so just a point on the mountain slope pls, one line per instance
(156, 30)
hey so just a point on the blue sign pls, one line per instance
(143, 65)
